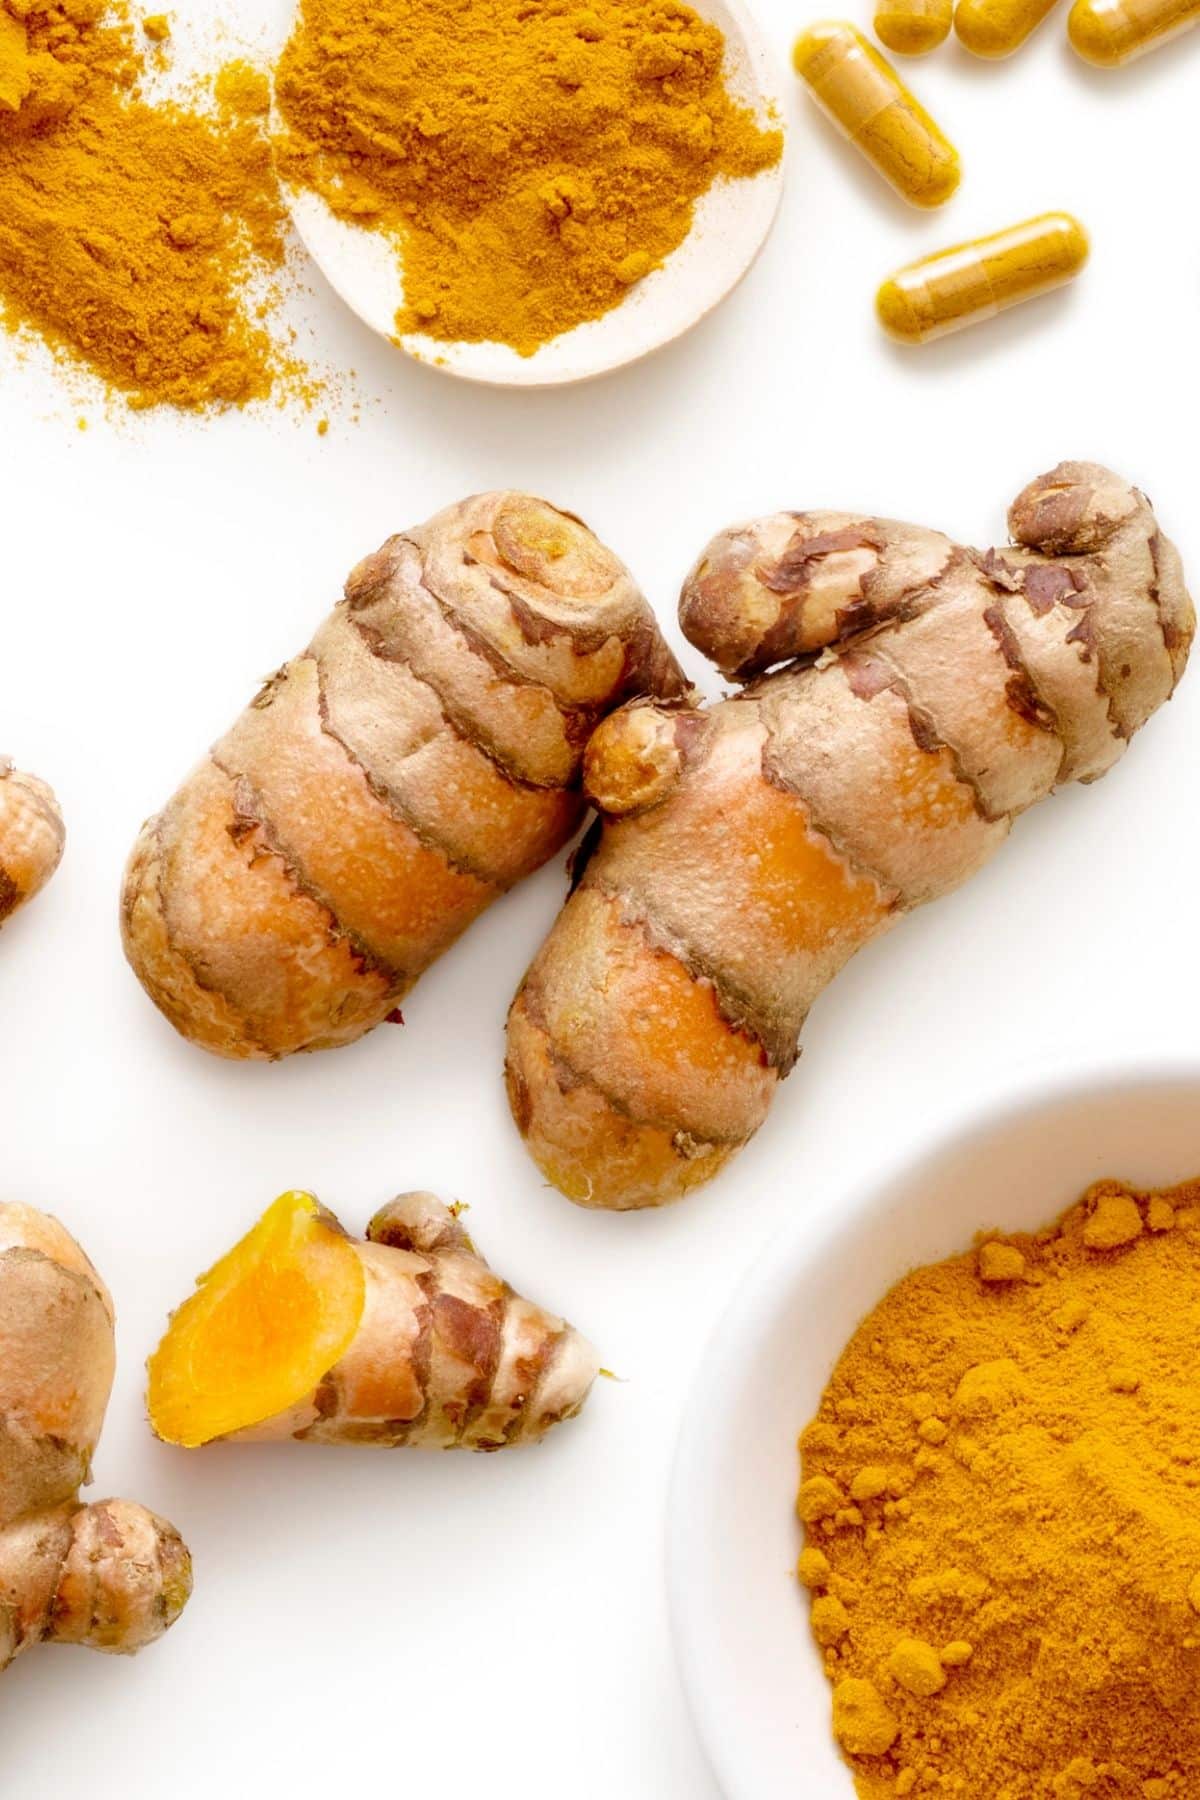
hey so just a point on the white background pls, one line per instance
(457, 1625)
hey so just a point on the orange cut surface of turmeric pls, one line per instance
(1001, 1502)
(531, 159)
(265, 1324)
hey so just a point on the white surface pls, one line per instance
(499, 1624)
(731, 223)
(754, 1677)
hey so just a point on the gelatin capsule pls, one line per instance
(957, 287)
(1108, 32)
(996, 28)
(913, 27)
(869, 103)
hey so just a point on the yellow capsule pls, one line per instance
(913, 27)
(996, 28)
(1108, 32)
(869, 103)
(957, 287)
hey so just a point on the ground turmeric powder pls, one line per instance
(531, 159)
(131, 233)
(1001, 1500)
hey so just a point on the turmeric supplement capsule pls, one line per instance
(913, 27)
(973, 281)
(869, 103)
(995, 28)
(1108, 32)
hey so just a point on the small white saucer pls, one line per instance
(731, 225)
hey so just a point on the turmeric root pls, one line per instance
(31, 837)
(406, 1338)
(931, 694)
(421, 757)
(110, 1575)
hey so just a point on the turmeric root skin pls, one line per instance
(433, 1350)
(111, 1575)
(421, 757)
(927, 695)
(31, 837)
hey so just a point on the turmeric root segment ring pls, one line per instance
(731, 225)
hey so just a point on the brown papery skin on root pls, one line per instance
(421, 757)
(924, 696)
(530, 162)
(445, 1356)
(111, 1575)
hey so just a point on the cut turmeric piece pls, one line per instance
(265, 1324)
(402, 1337)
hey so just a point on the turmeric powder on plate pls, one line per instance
(531, 159)
(1001, 1501)
(130, 231)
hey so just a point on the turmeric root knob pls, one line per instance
(112, 1576)
(632, 759)
(405, 1338)
(793, 584)
(31, 837)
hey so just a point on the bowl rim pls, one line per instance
(764, 1285)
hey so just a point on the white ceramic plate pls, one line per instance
(753, 1678)
(731, 225)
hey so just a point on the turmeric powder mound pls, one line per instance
(1019, 1602)
(129, 231)
(531, 159)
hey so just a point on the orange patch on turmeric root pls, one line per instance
(643, 1027)
(592, 1152)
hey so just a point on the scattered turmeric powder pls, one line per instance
(531, 159)
(1016, 1612)
(131, 234)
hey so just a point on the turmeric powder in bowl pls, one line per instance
(531, 160)
(1001, 1503)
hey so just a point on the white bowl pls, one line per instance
(754, 1681)
(731, 225)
